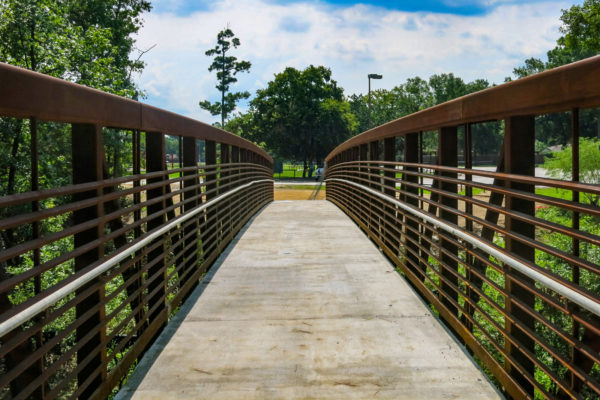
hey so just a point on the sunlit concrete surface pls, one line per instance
(304, 306)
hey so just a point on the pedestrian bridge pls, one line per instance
(126, 275)
(303, 305)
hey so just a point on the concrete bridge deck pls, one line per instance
(304, 306)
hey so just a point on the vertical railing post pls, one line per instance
(469, 259)
(235, 159)
(355, 159)
(191, 199)
(243, 168)
(519, 158)
(88, 156)
(576, 355)
(137, 232)
(156, 162)
(447, 153)
(411, 155)
(210, 149)
(375, 184)
(224, 183)
(389, 184)
(211, 169)
(363, 154)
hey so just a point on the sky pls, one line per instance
(398, 39)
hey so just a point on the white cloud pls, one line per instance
(352, 41)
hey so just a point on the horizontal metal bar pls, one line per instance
(550, 283)
(36, 308)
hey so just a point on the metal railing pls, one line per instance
(92, 270)
(509, 261)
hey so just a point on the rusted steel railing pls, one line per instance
(92, 270)
(508, 260)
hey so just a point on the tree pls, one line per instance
(100, 58)
(302, 115)
(580, 39)
(388, 105)
(227, 68)
(414, 95)
(242, 125)
(581, 34)
(532, 66)
(446, 87)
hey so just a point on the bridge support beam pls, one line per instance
(223, 183)
(210, 177)
(447, 153)
(519, 158)
(389, 184)
(411, 155)
(88, 158)
(190, 196)
(374, 218)
(155, 162)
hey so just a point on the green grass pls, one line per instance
(555, 192)
(291, 171)
(299, 187)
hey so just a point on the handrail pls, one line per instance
(16, 320)
(100, 264)
(75, 103)
(570, 86)
(550, 283)
(511, 269)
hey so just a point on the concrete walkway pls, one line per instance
(305, 307)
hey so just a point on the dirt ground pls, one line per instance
(296, 194)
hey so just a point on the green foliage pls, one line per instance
(242, 125)
(446, 87)
(32, 35)
(414, 95)
(532, 66)
(581, 34)
(588, 280)
(301, 115)
(227, 68)
(559, 165)
(88, 42)
(580, 39)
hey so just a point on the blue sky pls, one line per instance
(398, 39)
(459, 7)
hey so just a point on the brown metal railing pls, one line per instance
(508, 261)
(93, 270)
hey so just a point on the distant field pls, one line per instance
(299, 187)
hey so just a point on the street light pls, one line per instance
(372, 76)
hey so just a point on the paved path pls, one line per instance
(305, 307)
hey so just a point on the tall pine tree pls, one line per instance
(227, 68)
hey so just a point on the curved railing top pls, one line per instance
(30, 94)
(570, 86)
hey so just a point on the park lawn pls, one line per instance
(556, 192)
(300, 187)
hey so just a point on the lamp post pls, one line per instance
(372, 76)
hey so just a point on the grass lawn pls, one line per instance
(299, 187)
(556, 192)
